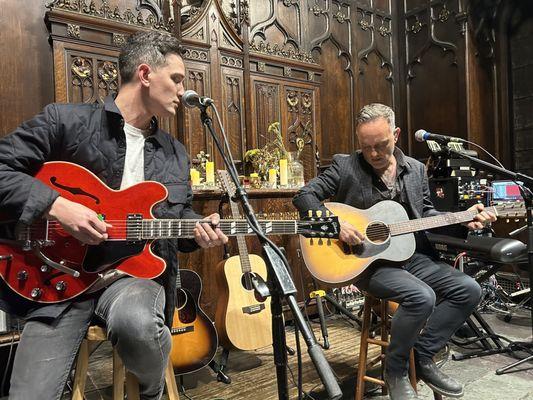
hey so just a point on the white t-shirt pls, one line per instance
(134, 162)
(133, 173)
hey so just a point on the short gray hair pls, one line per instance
(150, 48)
(374, 111)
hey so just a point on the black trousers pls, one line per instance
(435, 299)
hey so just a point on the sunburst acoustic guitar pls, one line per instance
(194, 337)
(388, 237)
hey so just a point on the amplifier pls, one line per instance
(457, 193)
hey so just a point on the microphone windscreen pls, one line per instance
(420, 135)
(190, 98)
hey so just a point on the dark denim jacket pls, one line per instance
(92, 136)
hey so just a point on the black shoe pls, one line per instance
(400, 388)
(437, 380)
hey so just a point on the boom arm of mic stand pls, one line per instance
(515, 176)
(279, 268)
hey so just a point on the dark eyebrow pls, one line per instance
(177, 75)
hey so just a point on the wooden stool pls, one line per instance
(384, 308)
(98, 334)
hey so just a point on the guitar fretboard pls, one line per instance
(415, 225)
(175, 229)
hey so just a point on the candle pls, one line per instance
(283, 172)
(272, 177)
(209, 172)
(195, 177)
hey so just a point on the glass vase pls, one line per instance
(295, 171)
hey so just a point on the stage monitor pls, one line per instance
(505, 191)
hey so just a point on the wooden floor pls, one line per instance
(253, 373)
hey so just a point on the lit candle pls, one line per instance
(272, 177)
(209, 172)
(283, 172)
(195, 177)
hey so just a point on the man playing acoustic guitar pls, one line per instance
(435, 299)
(120, 142)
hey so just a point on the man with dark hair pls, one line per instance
(380, 171)
(121, 143)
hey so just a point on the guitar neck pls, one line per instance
(184, 228)
(241, 241)
(421, 224)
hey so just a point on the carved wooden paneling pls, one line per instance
(330, 24)
(83, 75)
(336, 103)
(266, 108)
(276, 29)
(140, 14)
(435, 53)
(374, 64)
(197, 78)
(300, 109)
(233, 108)
(91, 77)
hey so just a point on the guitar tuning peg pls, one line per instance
(320, 242)
(310, 213)
(328, 213)
(311, 241)
(328, 242)
(318, 213)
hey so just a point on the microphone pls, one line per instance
(192, 99)
(421, 135)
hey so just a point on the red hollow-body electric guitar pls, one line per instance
(47, 265)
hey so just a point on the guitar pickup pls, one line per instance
(254, 309)
(134, 228)
(182, 330)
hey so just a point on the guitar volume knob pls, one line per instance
(36, 293)
(61, 286)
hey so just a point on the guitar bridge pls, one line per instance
(253, 309)
(184, 329)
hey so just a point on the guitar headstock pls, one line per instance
(225, 182)
(511, 210)
(319, 225)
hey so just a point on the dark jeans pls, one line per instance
(432, 295)
(132, 310)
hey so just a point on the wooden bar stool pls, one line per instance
(384, 308)
(99, 334)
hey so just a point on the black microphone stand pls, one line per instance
(526, 190)
(281, 287)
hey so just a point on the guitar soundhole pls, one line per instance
(377, 232)
(246, 281)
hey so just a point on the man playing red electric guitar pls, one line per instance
(121, 143)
